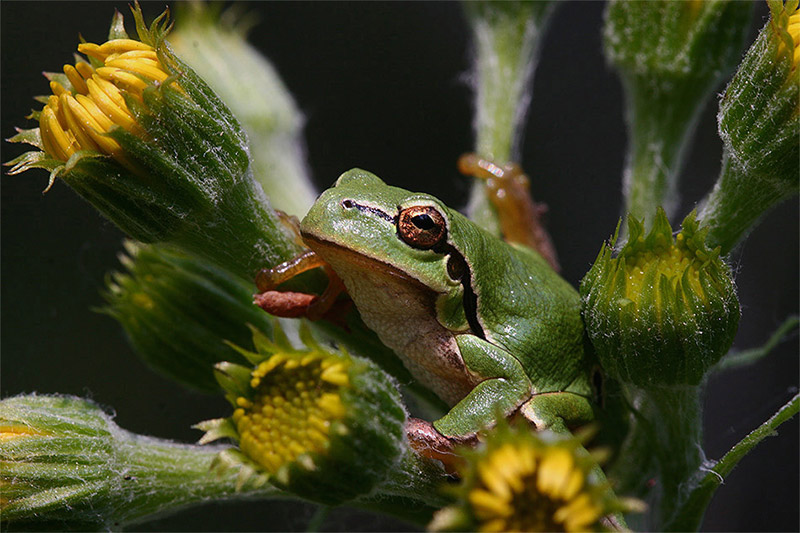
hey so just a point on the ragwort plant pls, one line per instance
(187, 140)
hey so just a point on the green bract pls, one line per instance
(662, 311)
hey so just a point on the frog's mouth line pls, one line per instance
(326, 248)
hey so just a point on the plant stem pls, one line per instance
(506, 42)
(691, 513)
(660, 124)
(159, 476)
(737, 202)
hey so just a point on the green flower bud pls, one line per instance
(140, 136)
(663, 311)
(64, 464)
(324, 425)
(214, 45)
(759, 123)
(671, 56)
(178, 312)
(520, 480)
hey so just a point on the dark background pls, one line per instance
(382, 87)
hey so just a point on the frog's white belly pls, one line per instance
(402, 312)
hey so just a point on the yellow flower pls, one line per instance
(521, 480)
(322, 424)
(522, 488)
(90, 100)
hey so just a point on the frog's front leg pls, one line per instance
(558, 411)
(505, 387)
(290, 304)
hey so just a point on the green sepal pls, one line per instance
(234, 380)
(117, 28)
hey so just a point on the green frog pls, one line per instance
(488, 326)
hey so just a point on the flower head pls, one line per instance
(519, 480)
(663, 310)
(143, 138)
(324, 425)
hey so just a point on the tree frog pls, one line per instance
(487, 325)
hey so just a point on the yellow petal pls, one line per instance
(78, 122)
(144, 67)
(78, 83)
(115, 113)
(84, 69)
(488, 505)
(493, 480)
(119, 46)
(553, 471)
(57, 89)
(97, 124)
(57, 143)
(123, 80)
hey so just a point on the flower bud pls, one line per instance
(178, 312)
(65, 465)
(324, 425)
(140, 136)
(759, 123)
(520, 480)
(671, 56)
(662, 311)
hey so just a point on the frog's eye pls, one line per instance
(421, 226)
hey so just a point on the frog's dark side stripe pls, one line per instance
(470, 300)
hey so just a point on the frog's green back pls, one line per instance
(526, 308)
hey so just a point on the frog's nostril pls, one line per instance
(348, 204)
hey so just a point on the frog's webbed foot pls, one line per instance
(290, 304)
(558, 411)
(509, 191)
(426, 441)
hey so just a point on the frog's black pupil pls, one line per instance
(423, 222)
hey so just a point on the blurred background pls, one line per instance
(383, 86)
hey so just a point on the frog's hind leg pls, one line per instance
(505, 387)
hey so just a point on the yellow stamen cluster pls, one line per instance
(77, 118)
(524, 488)
(297, 399)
